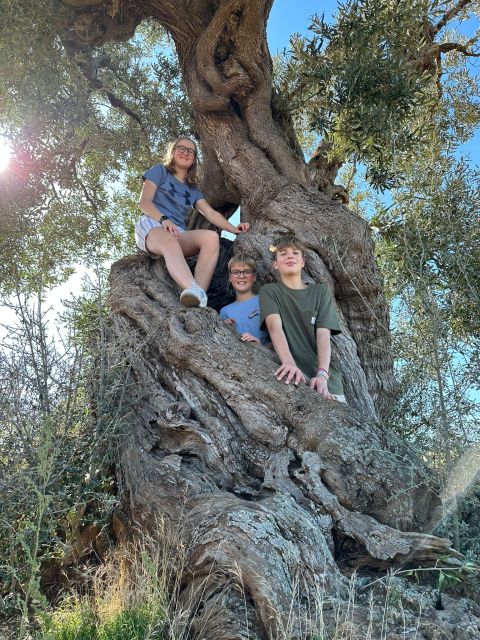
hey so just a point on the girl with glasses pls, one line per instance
(170, 191)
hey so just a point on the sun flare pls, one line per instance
(5, 153)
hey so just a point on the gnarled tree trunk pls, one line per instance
(274, 490)
(273, 487)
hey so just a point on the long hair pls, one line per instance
(192, 177)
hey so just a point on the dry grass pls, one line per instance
(133, 597)
(138, 595)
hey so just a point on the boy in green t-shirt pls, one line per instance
(300, 319)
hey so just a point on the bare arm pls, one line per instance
(324, 351)
(218, 220)
(149, 209)
(324, 348)
(146, 200)
(280, 344)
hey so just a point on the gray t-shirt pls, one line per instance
(302, 312)
(173, 198)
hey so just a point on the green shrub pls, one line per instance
(136, 623)
(80, 622)
(71, 622)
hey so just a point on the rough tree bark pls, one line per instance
(276, 493)
(274, 489)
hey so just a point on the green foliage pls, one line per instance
(133, 597)
(57, 422)
(76, 622)
(282, 105)
(469, 517)
(428, 245)
(449, 575)
(430, 237)
(142, 622)
(469, 535)
(357, 86)
(61, 205)
(79, 622)
(71, 147)
(367, 85)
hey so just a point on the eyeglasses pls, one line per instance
(236, 273)
(188, 150)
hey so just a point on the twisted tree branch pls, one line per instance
(209, 43)
(445, 47)
(449, 15)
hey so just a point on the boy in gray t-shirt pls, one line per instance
(300, 319)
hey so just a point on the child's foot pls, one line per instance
(204, 298)
(194, 296)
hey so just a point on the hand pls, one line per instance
(320, 385)
(231, 322)
(243, 227)
(247, 337)
(170, 227)
(291, 371)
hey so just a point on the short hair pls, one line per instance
(283, 242)
(242, 258)
(192, 177)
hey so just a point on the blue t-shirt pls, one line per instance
(247, 317)
(173, 198)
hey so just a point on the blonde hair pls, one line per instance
(287, 241)
(192, 177)
(242, 258)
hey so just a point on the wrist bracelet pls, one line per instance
(323, 372)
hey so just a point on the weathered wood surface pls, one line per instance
(266, 482)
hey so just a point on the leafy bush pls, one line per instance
(79, 622)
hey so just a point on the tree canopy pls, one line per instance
(92, 90)
(385, 77)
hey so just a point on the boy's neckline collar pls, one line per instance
(247, 299)
(302, 288)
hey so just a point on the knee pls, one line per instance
(211, 240)
(168, 239)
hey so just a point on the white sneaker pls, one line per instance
(203, 298)
(194, 296)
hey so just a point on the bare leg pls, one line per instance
(165, 244)
(206, 244)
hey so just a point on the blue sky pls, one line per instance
(292, 16)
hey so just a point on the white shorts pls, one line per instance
(143, 227)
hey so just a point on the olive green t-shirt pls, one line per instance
(302, 312)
